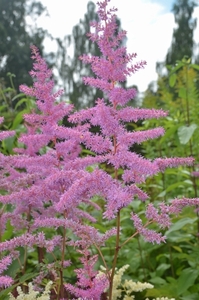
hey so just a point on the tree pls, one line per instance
(72, 69)
(182, 46)
(16, 38)
(182, 41)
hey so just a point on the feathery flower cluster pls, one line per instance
(125, 288)
(5, 134)
(49, 183)
(32, 294)
(5, 281)
(89, 285)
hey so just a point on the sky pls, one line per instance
(149, 25)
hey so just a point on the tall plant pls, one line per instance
(52, 185)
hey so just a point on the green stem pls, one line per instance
(171, 261)
(133, 235)
(104, 262)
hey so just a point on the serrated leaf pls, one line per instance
(185, 133)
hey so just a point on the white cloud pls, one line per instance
(196, 32)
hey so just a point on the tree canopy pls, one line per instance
(182, 40)
(17, 36)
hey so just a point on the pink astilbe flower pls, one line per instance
(4, 263)
(33, 181)
(27, 239)
(178, 204)
(162, 218)
(148, 234)
(113, 142)
(5, 134)
(89, 285)
(164, 163)
(196, 172)
(43, 128)
(5, 281)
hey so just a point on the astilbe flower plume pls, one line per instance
(5, 281)
(89, 285)
(35, 180)
(112, 142)
(49, 183)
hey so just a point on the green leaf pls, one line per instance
(8, 232)
(2, 107)
(27, 276)
(182, 92)
(18, 119)
(161, 268)
(157, 280)
(190, 297)
(172, 79)
(196, 67)
(174, 186)
(162, 194)
(185, 133)
(23, 100)
(177, 248)
(186, 280)
(6, 291)
(18, 96)
(180, 224)
(179, 65)
(170, 132)
(8, 144)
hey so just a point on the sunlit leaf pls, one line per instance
(185, 133)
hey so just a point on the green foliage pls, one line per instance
(182, 41)
(16, 38)
(174, 268)
(13, 106)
